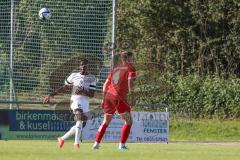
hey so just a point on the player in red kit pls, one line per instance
(116, 87)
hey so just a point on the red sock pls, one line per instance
(101, 132)
(125, 133)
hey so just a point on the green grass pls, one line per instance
(47, 150)
(204, 130)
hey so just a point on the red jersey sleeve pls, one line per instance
(109, 77)
(131, 72)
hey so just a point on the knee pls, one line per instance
(106, 122)
(129, 122)
(79, 116)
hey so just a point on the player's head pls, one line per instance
(83, 66)
(126, 56)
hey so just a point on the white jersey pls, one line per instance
(84, 81)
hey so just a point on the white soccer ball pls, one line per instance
(45, 13)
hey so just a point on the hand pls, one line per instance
(46, 99)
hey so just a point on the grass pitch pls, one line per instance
(47, 150)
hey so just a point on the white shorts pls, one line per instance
(80, 102)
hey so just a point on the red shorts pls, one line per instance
(113, 104)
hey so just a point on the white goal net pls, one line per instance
(45, 52)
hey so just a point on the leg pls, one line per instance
(83, 125)
(102, 129)
(125, 111)
(126, 127)
(109, 109)
(68, 134)
(78, 127)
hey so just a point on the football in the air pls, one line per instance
(45, 14)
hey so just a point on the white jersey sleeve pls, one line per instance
(92, 84)
(69, 80)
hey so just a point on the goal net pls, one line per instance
(45, 52)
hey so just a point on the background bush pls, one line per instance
(195, 97)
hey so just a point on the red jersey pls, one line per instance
(119, 77)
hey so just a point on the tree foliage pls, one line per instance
(191, 54)
(184, 36)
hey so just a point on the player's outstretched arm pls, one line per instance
(56, 92)
(131, 91)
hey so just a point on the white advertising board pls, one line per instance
(149, 127)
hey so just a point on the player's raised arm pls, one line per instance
(68, 83)
(56, 92)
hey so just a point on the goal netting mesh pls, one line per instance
(45, 52)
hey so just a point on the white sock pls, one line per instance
(69, 133)
(95, 143)
(121, 144)
(78, 128)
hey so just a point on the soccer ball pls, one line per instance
(45, 13)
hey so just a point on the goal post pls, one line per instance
(41, 53)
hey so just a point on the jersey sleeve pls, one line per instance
(69, 80)
(92, 85)
(109, 77)
(131, 73)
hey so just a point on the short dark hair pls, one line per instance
(84, 60)
(125, 54)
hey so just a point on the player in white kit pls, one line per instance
(83, 86)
